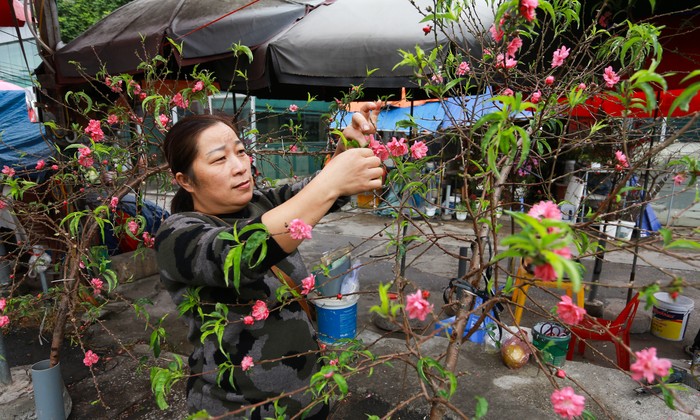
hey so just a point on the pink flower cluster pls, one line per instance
(97, 285)
(9, 172)
(462, 69)
(179, 101)
(398, 147)
(94, 130)
(678, 179)
(610, 76)
(198, 86)
(622, 162)
(112, 119)
(567, 403)
(299, 230)
(569, 312)
(548, 210)
(649, 366)
(133, 226)
(85, 157)
(113, 202)
(148, 240)
(4, 319)
(247, 363)
(417, 306)
(90, 358)
(293, 108)
(40, 164)
(527, 9)
(260, 311)
(559, 56)
(308, 284)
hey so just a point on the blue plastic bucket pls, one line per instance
(336, 318)
(445, 325)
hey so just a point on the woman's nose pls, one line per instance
(237, 166)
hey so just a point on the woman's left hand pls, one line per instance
(362, 125)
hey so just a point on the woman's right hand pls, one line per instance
(352, 172)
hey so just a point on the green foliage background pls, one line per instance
(75, 16)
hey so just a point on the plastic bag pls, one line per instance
(514, 352)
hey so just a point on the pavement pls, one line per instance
(120, 387)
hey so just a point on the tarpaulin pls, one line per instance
(22, 142)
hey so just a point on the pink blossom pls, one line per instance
(505, 61)
(564, 252)
(40, 164)
(419, 150)
(507, 92)
(248, 320)
(164, 120)
(308, 284)
(94, 130)
(148, 240)
(436, 78)
(397, 147)
(678, 179)
(84, 157)
(567, 403)
(54, 167)
(581, 86)
(299, 230)
(96, 285)
(514, 46)
(378, 148)
(496, 32)
(143, 96)
(90, 358)
(569, 312)
(535, 97)
(260, 311)
(112, 119)
(648, 365)
(198, 86)
(2, 204)
(527, 9)
(417, 306)
(247, 363)
(545, 272)
(604, 19)
(113, 202)
(545, 209)
(4, 321)
(179, 101)
(293, 148)
(137, 88)
(549, 80)
(610, 76)
(621, 159)
(559, 56)
(561, 373)
(293, 108)
(3, 304)
(133, 226)
(9, 172)
(462, 69)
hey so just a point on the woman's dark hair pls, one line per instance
(180, 149)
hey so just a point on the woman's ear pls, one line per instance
(184, 182)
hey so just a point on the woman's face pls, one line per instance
(222, 177)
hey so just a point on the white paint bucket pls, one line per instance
(670, 317)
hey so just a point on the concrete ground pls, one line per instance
(524, 393)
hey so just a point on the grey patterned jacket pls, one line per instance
(283, 346)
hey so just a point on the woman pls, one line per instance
(213, 170)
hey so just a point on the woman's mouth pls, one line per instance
(242, 186)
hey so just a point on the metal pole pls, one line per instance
(5, 374)
(636, 231)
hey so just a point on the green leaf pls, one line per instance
(482, 407)
(341, 382)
